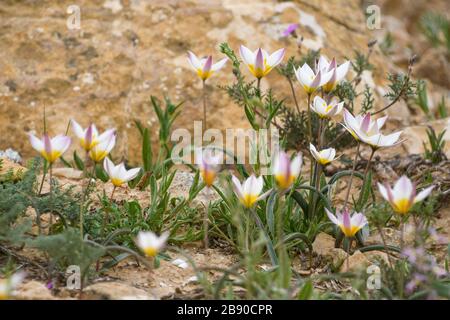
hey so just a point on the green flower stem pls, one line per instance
(270, 249)
(50, 169)
(206, 222)
(293, 95)
(86, 191)
(351, 175)
(204, 106)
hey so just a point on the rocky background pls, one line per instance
(127, 50)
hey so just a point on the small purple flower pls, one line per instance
(49, 285)
(290, 30)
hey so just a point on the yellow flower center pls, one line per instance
(208, 177)
(52, 157)
(204, 75)
(283, 181)
(323, 161)
(98, 155)
(150, 251)
(328, 87)
(258, 72)
(117, 182)
(402, 206)
(87, 146)
(248, 200)
(349, 232)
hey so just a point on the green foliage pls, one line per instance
(434, 150)
(442, 108)
(436, 27)
(15, 197)
(295, 131)
(292, 63)
(345, 91)
(367, 103)
(387, 44)
(151, 165)
(400, 86)
(422, 97)
(67, 248)
(361, 63)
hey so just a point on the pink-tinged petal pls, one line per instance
(219, 65)
(403, 188)
(88, 137)
(317, 80)
(36, 143)
(383, 191)
(332, 217)
(47, 144)
(366, 123)
(333, 64)
(237, 187)
(108, 165)
(358, 220)
(259, 62)
(246, 55)
(77, 129)
(208, 64)
(423, 194)
(342, 70)
(276, 57)
(346, 220)
(194, 61)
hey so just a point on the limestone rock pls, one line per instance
(68, 173)
(323, 244)
(116, 291)
(392, 237)
(33, 290)
(356, 261)
(124, 51)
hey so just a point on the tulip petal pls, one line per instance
(332, 217)
(276, 58)
(246, 55)
(219, 65)
(342, 70)
(36, 143)
(423, 194)
(77, 129)
(237, 187)
(194, 61)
